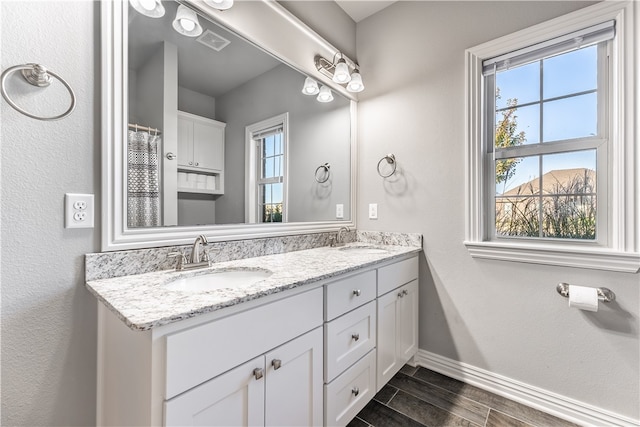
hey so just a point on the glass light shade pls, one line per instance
(150, 8)
(341, 74)
(310, 87)
(325, 95)
(355, 85)
(186, 22)
(220, 4)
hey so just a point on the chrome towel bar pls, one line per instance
(604, 294)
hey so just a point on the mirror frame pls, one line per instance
(293, 42)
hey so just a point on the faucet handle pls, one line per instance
(181, 258)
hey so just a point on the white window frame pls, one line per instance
(252, 167)
(619, 252)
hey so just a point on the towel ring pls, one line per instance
(37, 75)
(326, 168)
(391, 159)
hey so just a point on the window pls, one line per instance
(549, 126)
(270, 183)
(266, 148)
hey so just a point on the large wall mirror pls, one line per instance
(206, 130)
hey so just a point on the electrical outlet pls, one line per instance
(339, 211)
(373, 211)
(79, 210)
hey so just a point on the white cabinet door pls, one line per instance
(185, 142)
(408, 322)
(208, 146)
(235, 398)
(294, 388)
(397, 330)
(388, 362)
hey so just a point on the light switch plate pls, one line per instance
(373, 211)
(339, 211)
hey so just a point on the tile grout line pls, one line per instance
(486, 420)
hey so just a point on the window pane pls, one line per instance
(520, 83)
(571, 72)
(518, 126)
(268, 146)
(569, 173)
(518, 216)
(569, 217)
(268, 168)
(518, 176)
(277, 144)
(569, 118)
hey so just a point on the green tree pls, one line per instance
(507, 135)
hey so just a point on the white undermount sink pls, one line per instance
(363, 249)
(222, 279)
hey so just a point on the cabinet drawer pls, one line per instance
(394, 275)
(203, 352)
(350, 392)
(348, 338)
(349, 293)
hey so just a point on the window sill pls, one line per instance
(565, 256)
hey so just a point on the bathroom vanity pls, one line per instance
(309, 345)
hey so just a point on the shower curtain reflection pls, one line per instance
(143, 197)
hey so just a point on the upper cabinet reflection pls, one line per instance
(220, 132)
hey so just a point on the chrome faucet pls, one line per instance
(339, 238)
(199, 258)
(197, 254)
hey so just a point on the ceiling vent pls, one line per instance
(213, 40)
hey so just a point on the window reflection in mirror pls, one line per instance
(197, 97)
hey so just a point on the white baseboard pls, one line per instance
(543, 400)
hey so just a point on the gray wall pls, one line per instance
(500, 316)
(48, 318)
(318, 133)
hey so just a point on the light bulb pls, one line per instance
(220, 4)
(355, 85)
(341, 74)
(150, 8)
(325, 95)
(310, 87)
(187, 24)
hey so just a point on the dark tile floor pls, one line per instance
(420, 397)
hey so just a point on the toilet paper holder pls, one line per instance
(604, 294)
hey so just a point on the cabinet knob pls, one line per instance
(276, 363)
(405, 292)
(400, 294)
(357, 292)
(190, 163)
(170, 156)
(197, 164)
(355, 337)
(258, 373)
(355, 391)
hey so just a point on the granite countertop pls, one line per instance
(143, 301)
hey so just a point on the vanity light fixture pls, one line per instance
(186, 22)
(325, 95)
(220, 4)
(355, 84)
(310, 87)
(340, 73)
(150, 8)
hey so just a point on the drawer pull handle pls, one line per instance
(276, 363)
(258, 373)
(355, 391)
(357, 292)
(355, 337)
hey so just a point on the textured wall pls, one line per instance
(48, 318)
(500, 316)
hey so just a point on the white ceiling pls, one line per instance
(361, 9)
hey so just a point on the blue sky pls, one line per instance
(565, 118)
